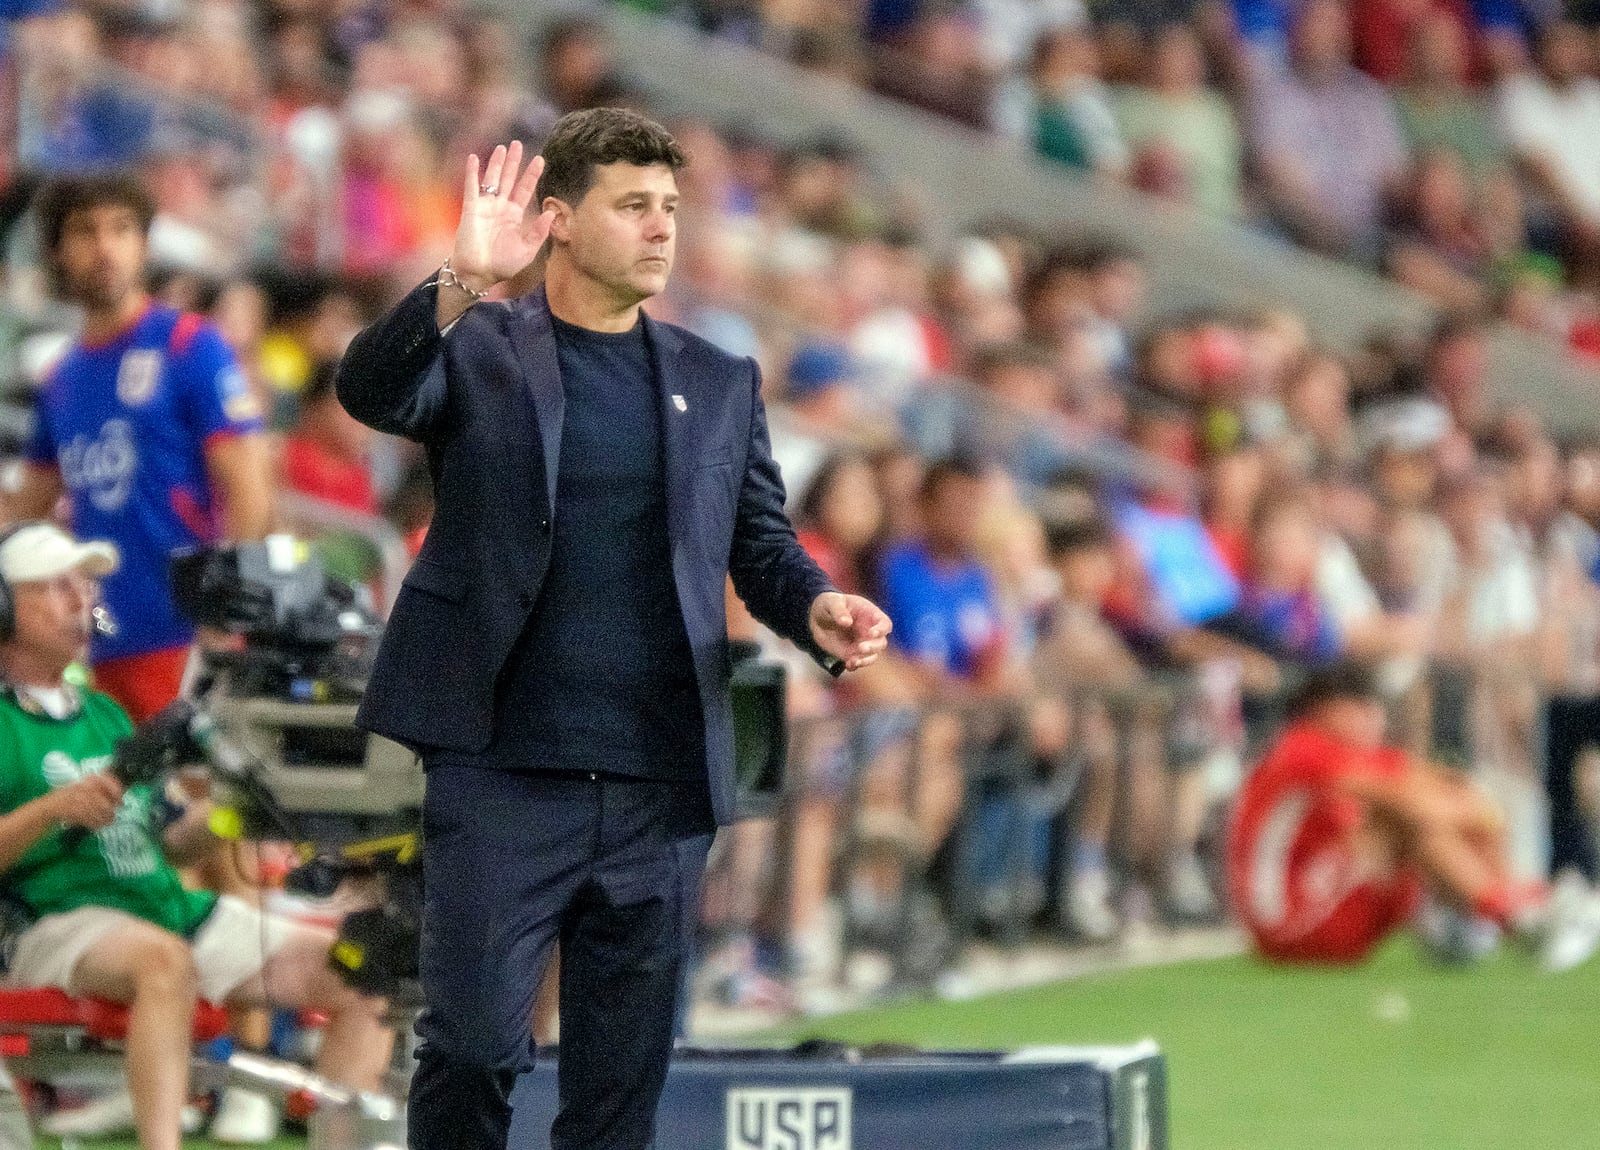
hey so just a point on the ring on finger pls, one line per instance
(488, 189)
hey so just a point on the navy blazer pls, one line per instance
(486, 401)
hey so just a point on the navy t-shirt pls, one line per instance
(601, 678)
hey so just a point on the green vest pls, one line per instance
(121, 866)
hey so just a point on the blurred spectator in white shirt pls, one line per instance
(1182, 135)
(1551, 118)
(1326, 137)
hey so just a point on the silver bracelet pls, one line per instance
(447, 278)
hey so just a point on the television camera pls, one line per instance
(272, 714)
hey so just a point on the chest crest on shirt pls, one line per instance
(104, 466)
(138, 375)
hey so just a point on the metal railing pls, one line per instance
(860, 777)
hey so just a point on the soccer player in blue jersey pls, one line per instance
(147, 426)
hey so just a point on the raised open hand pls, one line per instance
(496, 237)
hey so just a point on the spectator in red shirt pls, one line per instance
(1233, 484)
(839, 517)
(326, 454)
(1382, 29)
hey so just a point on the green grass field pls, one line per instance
(1396, 1054)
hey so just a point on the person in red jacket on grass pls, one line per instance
(1338, 841)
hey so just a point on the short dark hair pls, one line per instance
(1070, 536)
(320, 386)
(584, 140)
(1150, 407)
(1003, 355)
(1579, 443)
(1063, 261)
(563, 30)
(809, 509)
(1345, 679)
(1463, 323)
(948, 470)
(1102, 252)
(1276, 502)
(65, 196)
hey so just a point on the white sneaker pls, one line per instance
(1188, 893)
(1568, 893)
(1137, 909)
(1089, 910)
(1574, 933)
(246, 1118)
(815, 951)
(191, 1120)
(110, 1113)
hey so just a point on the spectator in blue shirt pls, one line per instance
(938, 594)
(71, 119)
(950, 623)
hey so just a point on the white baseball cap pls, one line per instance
(37, 551)
(1408, 425)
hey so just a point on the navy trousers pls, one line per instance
(511, 864)
(1571, 724)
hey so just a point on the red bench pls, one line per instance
(24, 1014)
(43, 1032)
(46, 1032)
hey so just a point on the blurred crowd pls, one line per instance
(1109, 540)
(1449, 143)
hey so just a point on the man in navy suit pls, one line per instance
(559, 653)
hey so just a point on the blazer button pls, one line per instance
(544, 526)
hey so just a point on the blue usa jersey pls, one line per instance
(127, 423)
(948, 617)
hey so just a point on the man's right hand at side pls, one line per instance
(91, 802)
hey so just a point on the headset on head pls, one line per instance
(8, 600)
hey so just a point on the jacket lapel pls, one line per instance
(535, 346)
(675, 411)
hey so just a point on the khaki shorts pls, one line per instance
(231, 947)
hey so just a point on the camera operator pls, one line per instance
(113, 920)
